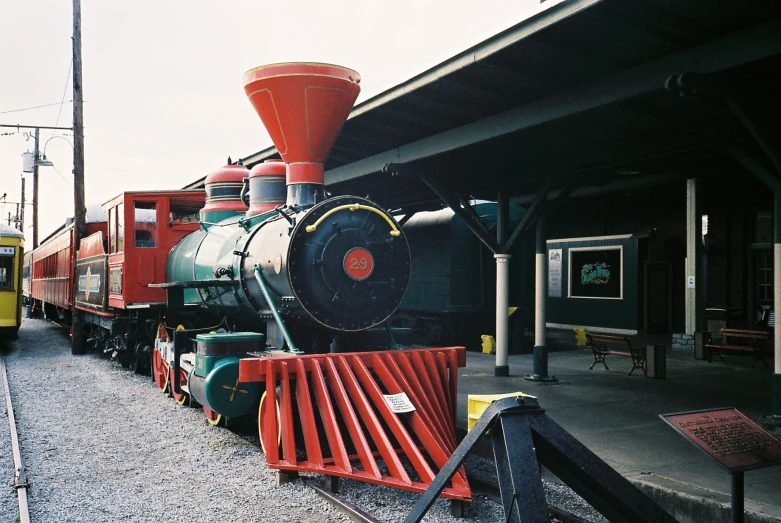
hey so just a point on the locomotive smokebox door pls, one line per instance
(349, 263)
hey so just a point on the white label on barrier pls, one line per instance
(399, 403)
(691, 282)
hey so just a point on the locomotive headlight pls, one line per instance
(346, 262)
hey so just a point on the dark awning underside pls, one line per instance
(573, 96)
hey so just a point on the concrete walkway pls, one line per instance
(617, 417)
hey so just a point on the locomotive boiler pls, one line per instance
(296, 266)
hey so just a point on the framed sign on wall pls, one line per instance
(596, 272)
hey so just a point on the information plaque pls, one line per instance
(734, 441)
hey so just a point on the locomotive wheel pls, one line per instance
(181, 399)
(160, 371)
(140, 362)
(212, 417)
(261, 411)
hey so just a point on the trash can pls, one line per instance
(701, 352)
(715, 319)
(656, 361)
(488, 344)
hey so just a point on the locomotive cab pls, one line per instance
(142, 228)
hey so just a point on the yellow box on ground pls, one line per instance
(477, 403)
(489, 344)
(580, 335)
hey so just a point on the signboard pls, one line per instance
(734, 441)
(91, 273)
(554, 273)
(115, 280)
(7, 251)
(596, 272)
(399, 403)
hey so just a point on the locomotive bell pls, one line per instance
(303, 106)
(223, 188)
(266, 187)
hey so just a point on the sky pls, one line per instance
(164, 102)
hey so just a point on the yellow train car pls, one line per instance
(11, 266)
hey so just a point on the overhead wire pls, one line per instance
(64, 92)
(35, 107)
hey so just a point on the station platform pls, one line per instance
(617, 417)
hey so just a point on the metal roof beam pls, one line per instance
(476, 53)
(529, 217)
(729, 51)
(756, 168)
(458, 205)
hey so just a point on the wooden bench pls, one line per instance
(599, 344)
(756, 344)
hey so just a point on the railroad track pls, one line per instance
(358, 515)
(492, 492)
(20, 480)
(478, 486)
(340, 503)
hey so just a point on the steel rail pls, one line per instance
(491, 491)
(344, 506)
(20, 480)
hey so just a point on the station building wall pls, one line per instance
(738, 251)
(598, 283)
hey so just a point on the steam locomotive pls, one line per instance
(321, 264)
(262, 278)
(262, 253)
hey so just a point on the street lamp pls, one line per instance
(40, 161)
(43, 162)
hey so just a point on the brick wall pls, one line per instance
(683, 342)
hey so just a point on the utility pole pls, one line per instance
(35, 171)
(20, 214)
(78, 339)
(35, 189)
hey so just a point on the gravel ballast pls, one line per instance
(102, 444)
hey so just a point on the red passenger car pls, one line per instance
(123, 251)
(51, 267)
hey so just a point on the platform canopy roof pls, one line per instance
(574, 99)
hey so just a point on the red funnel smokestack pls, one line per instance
(303, 106)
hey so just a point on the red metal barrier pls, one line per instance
(333, 417)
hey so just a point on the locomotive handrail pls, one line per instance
(355, 207)
(274, 312)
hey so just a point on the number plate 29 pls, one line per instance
(358, 263)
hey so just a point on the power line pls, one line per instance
(61, 176)
(39, 106)
(64, 92)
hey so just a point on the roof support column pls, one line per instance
(502, 287)
(502, 320)
(776, 407)
(695, 257)
(540, 372)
